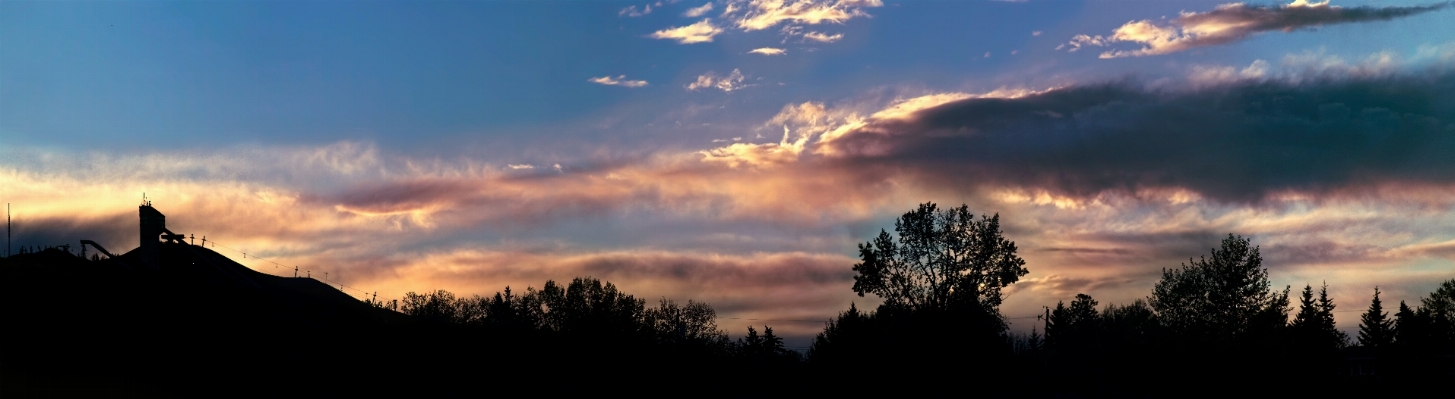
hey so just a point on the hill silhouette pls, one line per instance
(197, 319)
(199, 322)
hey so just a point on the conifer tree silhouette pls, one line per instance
(1376, 329)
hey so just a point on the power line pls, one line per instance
(784, 320)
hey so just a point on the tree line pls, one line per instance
(940, 275)
(1215, 325)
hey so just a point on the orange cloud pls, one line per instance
(767, 230)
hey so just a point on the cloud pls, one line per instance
(633, 12)
(1234, 22)
(1079, 41)
(1241, 141)
(620, 80)
(733, 81)
(751, 15)
(700, 32)
(768, 51)
(822, 37)
(756, 155)
(1216, 75)
(698, 11)
(1035, 33)
(1336, 167)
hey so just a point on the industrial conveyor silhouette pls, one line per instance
(165, 253)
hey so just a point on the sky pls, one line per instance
(735, 152)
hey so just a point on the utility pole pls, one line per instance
(7, 229)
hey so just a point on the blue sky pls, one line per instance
(423, 74)
(471, 145)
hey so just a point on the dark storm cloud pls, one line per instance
(1236, 142)
(1266, 18)
(1233, 22)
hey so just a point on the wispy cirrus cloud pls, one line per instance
(768, 51)
(729, 83)
(698, 11)
(1233, 22)
(822, 37)
(619, 80)
(700, 32)
(751, 15)
(633, 12)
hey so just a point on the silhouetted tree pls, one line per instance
(1424, 340)
(941, 259)
(851, 331)
(1025, 344)
(439, 307)
(765, 363)
(1073, 328)
(940, 277)
(586, 305)
(760, 346)
(1314, 324)
(1440, 306)
(694, 322)
(1220, 297)
(1072, 335)
(1376, 329)
(1133, 322)
(1410, 327)
(1129, 333)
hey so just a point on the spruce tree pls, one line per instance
(1308, 313)
(1315, 320)
(1327, 328)
(1376, 329)
(1407, 327)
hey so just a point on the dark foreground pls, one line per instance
(205, 326)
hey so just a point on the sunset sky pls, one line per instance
(734, 152)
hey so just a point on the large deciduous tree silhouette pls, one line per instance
(695, 322)
(1222, 296)
(940, 259)
(940, 276)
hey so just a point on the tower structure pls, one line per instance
(153, 224)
